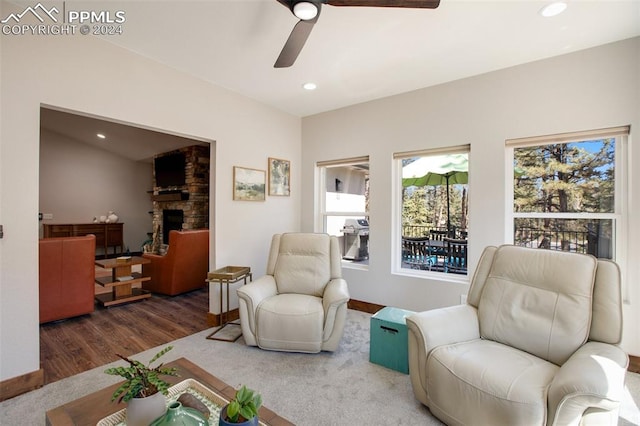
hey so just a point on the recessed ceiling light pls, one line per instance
(553, 9)
(309, 86)
(101, 136)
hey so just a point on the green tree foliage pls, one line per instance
(575, 177)
(565, 178)
(427, 206)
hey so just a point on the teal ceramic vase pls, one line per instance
(223, 422)
(177, 415)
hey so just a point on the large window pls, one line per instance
(344, 206)
(434, 210)
(568, 192)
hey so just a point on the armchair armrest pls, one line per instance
(335, 293)
(430, 329)
(445, 326)
(256, 291)
(155, 268)
(593, 377)
(249, 297)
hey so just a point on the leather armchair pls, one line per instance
(536, 343)
(300, 305)
(66, 277)
(184, 268)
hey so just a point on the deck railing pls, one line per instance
(589, 242)
(573, 241)
(415, 231)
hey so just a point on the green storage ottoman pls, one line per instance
(388, 346)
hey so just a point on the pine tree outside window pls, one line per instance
(568, 192)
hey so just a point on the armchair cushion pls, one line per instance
(303, 328)
(539, 302)
(499, 385)
(303, 265)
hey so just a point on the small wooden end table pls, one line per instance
(226, 276)
(121, 281)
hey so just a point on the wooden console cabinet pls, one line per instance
(107, 234)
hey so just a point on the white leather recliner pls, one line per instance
(300, 305)
(536, 343)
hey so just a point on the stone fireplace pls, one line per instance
(171, 219)
(184, 202)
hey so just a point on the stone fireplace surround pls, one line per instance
(192, 198)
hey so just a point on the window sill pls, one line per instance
(434, 276)
(357, 266)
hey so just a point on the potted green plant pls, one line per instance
(143, 390)
(242, 409)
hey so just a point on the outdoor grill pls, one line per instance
(356, 239)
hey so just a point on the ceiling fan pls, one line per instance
(308, 12)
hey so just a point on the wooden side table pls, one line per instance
(225, 276)
(121, 280)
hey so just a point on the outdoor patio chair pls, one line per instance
(456, 257)
(416, 253)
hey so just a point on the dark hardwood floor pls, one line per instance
(78, 344)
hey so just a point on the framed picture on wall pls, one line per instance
(248, 184)
(279, 177)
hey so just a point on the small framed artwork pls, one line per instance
(279, 177)
(248, 184)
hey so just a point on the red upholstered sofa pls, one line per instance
(183, 268)
(67, 273)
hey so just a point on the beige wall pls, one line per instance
(79, 182)
(586, 90)
(88, 75)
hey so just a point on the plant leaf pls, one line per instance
(233, 410)
(159, 354)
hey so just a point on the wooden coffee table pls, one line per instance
(94, 407)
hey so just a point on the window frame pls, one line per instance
(620, 214)
(396, 216)
(321, 213)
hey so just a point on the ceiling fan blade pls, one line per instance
(415, 4)
(294, 43)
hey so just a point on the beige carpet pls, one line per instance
(342, 388)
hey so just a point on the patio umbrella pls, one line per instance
(451, 169)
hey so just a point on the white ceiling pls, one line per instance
(357, 54)
(354, 54)
(134, 143)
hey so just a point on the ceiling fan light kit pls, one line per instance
(308, 11)
(305, 10)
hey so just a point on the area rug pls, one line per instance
(340, 388)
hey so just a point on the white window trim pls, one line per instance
(396, 214)
(622, 189)
(320, 213)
